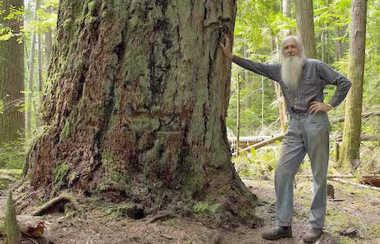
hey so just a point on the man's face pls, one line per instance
(290, 49)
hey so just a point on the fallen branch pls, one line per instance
(56, 203)
(365, 115)
(362, 138)
(338, 176)
(355, 184)
(371, 180)
(161, 217)
(31, 226)
(264, 143)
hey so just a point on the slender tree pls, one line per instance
(137, 107)
(31, 82)
(287, 11)
(305, 26)
(11, 75)
(352, 127)
(48, 46)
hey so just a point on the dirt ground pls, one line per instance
(352, 217)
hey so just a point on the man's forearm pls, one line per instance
(343, 87)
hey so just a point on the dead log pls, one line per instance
(355, 184)
(331, 176)
(265, 143)
(342, 176)
(364, 115)
(371, 180)
(362, 138)
(31, 226)
(249, 140)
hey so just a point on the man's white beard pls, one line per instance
(291, 71)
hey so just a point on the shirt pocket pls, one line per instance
(310, 87)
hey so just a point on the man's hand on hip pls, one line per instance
(316, 107)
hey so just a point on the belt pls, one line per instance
(296, 111)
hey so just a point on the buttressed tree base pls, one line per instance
(137, 106)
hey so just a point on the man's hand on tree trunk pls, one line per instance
(226, 48)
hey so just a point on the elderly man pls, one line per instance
(302, 82)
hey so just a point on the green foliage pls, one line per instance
(60, 174)
(205, 208)
(258, 24)
(258, 163)
(12, 15)
(257, 36)
(12, 155)
(46, 18)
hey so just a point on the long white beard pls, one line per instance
(291, 71)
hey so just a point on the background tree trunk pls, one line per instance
(305, 26)
(48, 46)
(338, 46)
(352, 126)
(138, 104)
(11, 78)
(287, 11)
(31, 103)
(40, 81)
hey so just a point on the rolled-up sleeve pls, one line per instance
(271, 71)
(333, 77)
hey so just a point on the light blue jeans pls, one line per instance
(306, 134)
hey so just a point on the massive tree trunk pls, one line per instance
(11, 77)
(352, 126)
(305, 26)
(137, 107)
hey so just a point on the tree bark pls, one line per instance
(305, 26)
(286, 10)
(11, 78)
(48, 46)
(137, 107)
(352, 126)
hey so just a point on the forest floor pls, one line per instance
(353, 217)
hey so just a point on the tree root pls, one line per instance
(56, 204)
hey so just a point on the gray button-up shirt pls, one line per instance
(315, 75)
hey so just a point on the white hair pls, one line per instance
(298, 43)
(291, 68)
(291, 71)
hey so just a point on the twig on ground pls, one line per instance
(159, 217)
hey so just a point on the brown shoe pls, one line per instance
(277, 233)
(312, 235)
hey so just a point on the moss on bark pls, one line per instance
(138, 105)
